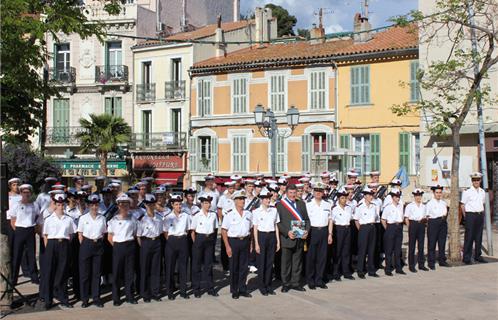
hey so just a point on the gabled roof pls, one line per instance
(303, 53)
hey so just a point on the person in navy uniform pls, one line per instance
(58, 230)
(176, 228)
(416, 221)
(149, 233)
(472, 204)
(203, 227)
(92, 228)
(266, 240)
(392, 221)
(14, 198)
(236, 233)
(122, 230)
(341, 219)
(437, 228)
(319, 213)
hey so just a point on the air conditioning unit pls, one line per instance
(161, 27)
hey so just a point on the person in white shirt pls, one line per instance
(14, 198)
(176, 227)
(136, 211)
(210, 190)
(266, 240)
(58, 230)
(415, 219)
(189, 206)
(319, 213)
(91, 230)
(226, 203)
(437, 228)
(149, 233)
(24, 219)
(341, 220)
(365, 216)
(236, 233)
(353, 204)
(74, 210)
(392, 221)
(472, 204)
(204, 225)
(395, 184)
(43, 199)
(122, 230)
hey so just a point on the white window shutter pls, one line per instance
(193, 154)
(306, 152)
(330, 142)
(214, 154)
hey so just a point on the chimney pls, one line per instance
(236, 10)
(267, 24)
(218, 38)
(317, 34)
(362, 25)
(258, 17)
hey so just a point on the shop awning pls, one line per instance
(168, 177)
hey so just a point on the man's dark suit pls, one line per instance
(292, 250)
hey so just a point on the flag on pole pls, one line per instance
(403, 176)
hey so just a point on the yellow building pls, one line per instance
(315, 77)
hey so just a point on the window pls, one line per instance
(281, 155)
(113, 106)
(114, 59)
(239, 95)
(277, 93)
(176, 120)
(147, 127)
(176, 69)
(345, 141)
(360, 85)
(409, 152)
(205, 148)
(414, 85)
(239, 154)
(62, 57)
(203, 154)
(317, 90)
(361, 144)
(204, 97)
(319, 142)
(60, 131)
(146, 72)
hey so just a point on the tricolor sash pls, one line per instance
(288, 205)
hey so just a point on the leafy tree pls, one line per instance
(103, 133)
(305, 33)
(24, 25)
(28, 165)
(457, 81)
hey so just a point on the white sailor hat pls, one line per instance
(249, 181)
(235, 177)
(352, 173)
(14, 180)
(325, 174)
(239, 194)
(132, 191)
(114, 185)
(148, 179)
(54, 192)
(123, 199)
(418, 192)
(159, 190)
(141, 184)
(50, 179)
(149, 198)
(319, 186)
(25, 186)
(176, 198)
(98, 178)
(285, 176)
(93, 198)
(72, 192)
(476, 175)
(116, 181)
(373, 185)
(358, 182)
(59, 197)
(395, 192)
(106, 190)
(82, 194)
(282, 181)
(190, 190)
(259, 175)
(437, 187)
(209, 176)
(229, 184)
(333, 180)
(307, 175)
(259, 184)
(86, 187)
(265, 193)
(273, 187)
(342, 192)
(58, 186)
(367, 190)
(349, 187)
(395, 182)
(374, 173)
(270, 181)
(304, 179)
(204, 197)
(299, 185)
(78, 177)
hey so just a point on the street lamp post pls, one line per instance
(267, 125)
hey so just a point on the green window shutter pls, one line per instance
(108, 106)
(305, 152)
(414, 85)
(404, 150)
(54, 70)
(375, 151)
(214, 154)
(118, 107)
(330, 141)
(345, 141)
(193, 154)
(106, 55)
(366, 84)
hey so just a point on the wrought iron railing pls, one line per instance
(111, 73)
(146, 92)
(174, 90)
(63, 75)
(63, 136)
(158, 141)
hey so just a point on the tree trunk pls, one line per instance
(495, 190)
(103, 164)
(5, 267)
(453, 222)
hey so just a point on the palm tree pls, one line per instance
(102, 134)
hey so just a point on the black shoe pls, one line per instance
(66, 305)
(184, 295)
(271, 292)
(263, 292)
(147, 300)
(361, 275)
(245, 294)
(98, 304)
(322, 286)
(84, 304)
(350, 277)
(480, 260)
(35, 281)
(235, 295)
(171, 296)
(311, 286)
(132, 301)
(444, 264)
(285, 289)
(197, 294)
(468, 262)
(48, 306)
(373, 275)
(337, 279)
(388, 273)
(423, 268)
(213, 293)
(400, 272)
(432, 267)
(116, 303)
(299, 288)
(412, 269)
(157, 298)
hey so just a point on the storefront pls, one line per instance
(165, 168)
(90, 168)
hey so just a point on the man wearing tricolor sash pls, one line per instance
(294, 227)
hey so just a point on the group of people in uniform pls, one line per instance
(308, 232)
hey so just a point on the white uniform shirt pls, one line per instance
(192, 211)
(92, 228)
(342, 217)
(353, 204)
(393, 213)
(163, 213)
(388, 200)
(204, 223)
(436, 209)
(137, 213)
(26, 214)
(215, 194)
(122, 230)
(13, 201)
(366, 214)
(319, 214)
(74, 213)
(237, 225)
(226, 203)
(416, 212)
(265, 219)
(177, 225)
(150, 227)
(473, 199)
(43, 201)
(56, 227)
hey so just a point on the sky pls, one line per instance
(338, 14)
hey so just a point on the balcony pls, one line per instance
(159, 141)
(63, 136)
(174, 90)
(111, 74)
(96, 11)
(65, 76)
(146, 92)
